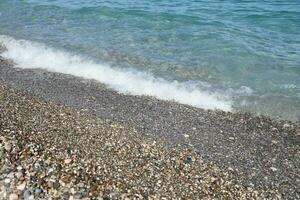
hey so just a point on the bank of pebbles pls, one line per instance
(49, 151)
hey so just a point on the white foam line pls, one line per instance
(27, 54)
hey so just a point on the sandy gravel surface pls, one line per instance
(50, 151)
(260, 152)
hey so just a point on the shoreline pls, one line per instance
(261, 152)
(52, 151)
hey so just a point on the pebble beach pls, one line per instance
(49, 151)
(63, 137)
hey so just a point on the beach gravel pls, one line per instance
(50, 151)
(259, 152)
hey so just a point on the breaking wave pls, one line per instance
(28, 54)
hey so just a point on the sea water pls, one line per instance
(230, 55)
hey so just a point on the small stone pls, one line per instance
(26, 195)
(7, 181)
(68, 161)
(13, 197)
(10, 175)
(286, 126)
(7, 146)
(231, 138)
(78, 195)
(19, 175)
(21, 186)
(31, 197)
(72, 191)
(65, 179)
(273, 169)
(274, 142)
(188, 160)
(230, 169)
(56, 185)
(50, 184)
(80, 184)
(38, 191)
(1, 152)
(50, 170)
(186, 136)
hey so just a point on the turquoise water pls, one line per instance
(243, 53)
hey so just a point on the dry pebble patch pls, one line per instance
(49, 151)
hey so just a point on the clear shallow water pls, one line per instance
(231, 55)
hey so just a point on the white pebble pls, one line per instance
(287, 126)
(19, 175)
(7, 146)
(273, 169)
(68, 161)
(13, 197)
(7, 181)
(10, 175)
(31, 197)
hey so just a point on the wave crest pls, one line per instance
(28, 54)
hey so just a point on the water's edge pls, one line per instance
(228, 139)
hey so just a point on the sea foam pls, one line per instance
(28, 54)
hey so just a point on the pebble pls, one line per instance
(19, 168)
(26, 195)
(1, 151)
(286, 126)
(68, 161)
(274, 169)
(38, 191)
(72, 191)
(31, 197)
(56, 185)
(13, 197)
(21, 186)
(230, 169)
(10, 175)
(7, 146)
(77, 195)
(7, 181)
(18, 175)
